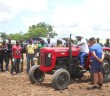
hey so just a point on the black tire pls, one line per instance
(36, 75)
(106, 78)
(61, 79)
(106, 67)
(107, 56)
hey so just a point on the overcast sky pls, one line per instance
(78, 17)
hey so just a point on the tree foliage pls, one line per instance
(39, 30)
(16, 36)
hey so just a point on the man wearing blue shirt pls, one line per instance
(97, 57)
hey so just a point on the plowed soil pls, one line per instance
(19, 85)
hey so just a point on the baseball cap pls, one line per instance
(78, 36)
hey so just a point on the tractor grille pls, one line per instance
(42, 59)
(46, 59)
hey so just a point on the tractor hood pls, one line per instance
(59, 51)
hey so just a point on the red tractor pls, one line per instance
(63, 64)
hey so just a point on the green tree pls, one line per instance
(16, 36)
(41, 30)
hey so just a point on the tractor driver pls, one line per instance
(84, 50)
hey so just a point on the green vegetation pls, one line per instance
(39, 30)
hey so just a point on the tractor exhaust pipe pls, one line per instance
(70, 55)
(70, 49)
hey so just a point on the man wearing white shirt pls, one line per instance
(49, 44)
(84, 50)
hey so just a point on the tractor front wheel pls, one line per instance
(36, 75)
(61, 79)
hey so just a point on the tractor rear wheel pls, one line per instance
(36, 75)
(61, 79)
(106, 64)
(106, 67)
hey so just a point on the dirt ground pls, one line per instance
(19, 85)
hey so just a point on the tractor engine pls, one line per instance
(56, 58)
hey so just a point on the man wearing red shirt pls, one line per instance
(16, 52)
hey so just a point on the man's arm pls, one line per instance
(35, 50)
(83, 41)
(80, 44)
(12, 51)
(103, 56)
(26, 50)
(96, 58)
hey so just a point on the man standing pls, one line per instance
(16, 51)
(4, 54)
(22, 57)
(84, 50)
(9, 46)
(98, 42)
(107, 44)
(30, 54)
(1, 58)
(97, 57)
(59, 43)
(66, 44)
(49, 44)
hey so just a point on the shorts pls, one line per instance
(96, 67)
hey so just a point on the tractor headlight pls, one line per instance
(20, 60)
(13, 60)
(49, 55)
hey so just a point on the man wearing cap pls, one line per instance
(84, 50)
(97, 57)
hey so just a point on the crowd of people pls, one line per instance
(13, 54)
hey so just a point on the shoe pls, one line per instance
(81, 67)
(18, 74)
(83, 70)
(6, 71)
(92, 87)
(21, 70)
(100, 86)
